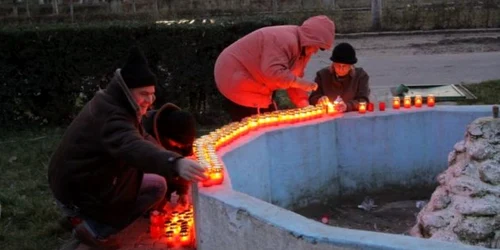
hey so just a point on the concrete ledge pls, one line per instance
(276, 168)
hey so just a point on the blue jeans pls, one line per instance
(152, 191)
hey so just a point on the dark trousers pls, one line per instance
(238, 112)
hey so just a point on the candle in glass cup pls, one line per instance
(418, 101)
(407, 102)
(431, 101)
(362, 107)
(381, 106)
(396, 102)
(330, 108)
(371, 107)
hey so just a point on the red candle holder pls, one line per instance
(371, 107)
(362, 107)
(396, 102)
(431, 101)
(381, 106)
(418, 101)
(155, 231)
(407, 102)
(185, 238)
(170, 239)
(217, 176)
(156, 218)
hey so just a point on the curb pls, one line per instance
(415, 32)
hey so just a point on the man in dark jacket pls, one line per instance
(175, 130)
(342, 79)
(97, 174)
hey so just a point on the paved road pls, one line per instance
(422, 59)
(392, 70)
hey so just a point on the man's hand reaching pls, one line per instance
(305, 85)
(191, 170)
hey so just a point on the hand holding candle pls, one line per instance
(191, 170)
(340, 106)
(323, 100)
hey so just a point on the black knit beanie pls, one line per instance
(344, 53)
(136, 72)
(175, 124)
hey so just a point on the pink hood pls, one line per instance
(317, 31)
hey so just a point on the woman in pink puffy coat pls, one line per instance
(249, 71)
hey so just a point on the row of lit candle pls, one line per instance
(176, 227)
(407, 102)
(205, 148)
(396, 103)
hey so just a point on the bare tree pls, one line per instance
(377, 14)
(28, 14)
(71, 11)
(156, 10)
(14, 8)
(55, 7)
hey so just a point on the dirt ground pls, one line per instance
(395, 211)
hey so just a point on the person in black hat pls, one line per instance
(174, 130)
(342, 79)
(105, 173)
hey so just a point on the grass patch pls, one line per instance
(29, 215)
(487, 92)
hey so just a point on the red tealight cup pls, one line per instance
(381, 106)
(370, 107)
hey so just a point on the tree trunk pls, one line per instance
(28, 14)
(15, 13)
(134, 10)
(41, 2)
(55, 7)
(275, 7)
(377, 14)
(71, 11)
(156, 10)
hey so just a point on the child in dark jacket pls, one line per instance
(174, 130)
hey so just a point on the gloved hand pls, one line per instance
(191, 170)
(323, 100)
(340, 107)
(304, 85)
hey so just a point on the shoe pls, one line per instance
(86, 237)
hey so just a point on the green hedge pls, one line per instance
(47, 74)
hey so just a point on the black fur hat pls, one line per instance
(344, 53)
(136, 72)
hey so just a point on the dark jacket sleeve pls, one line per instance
(123, 141)
(362, 93)
(318, 93)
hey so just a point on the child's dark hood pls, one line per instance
(170, 122)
